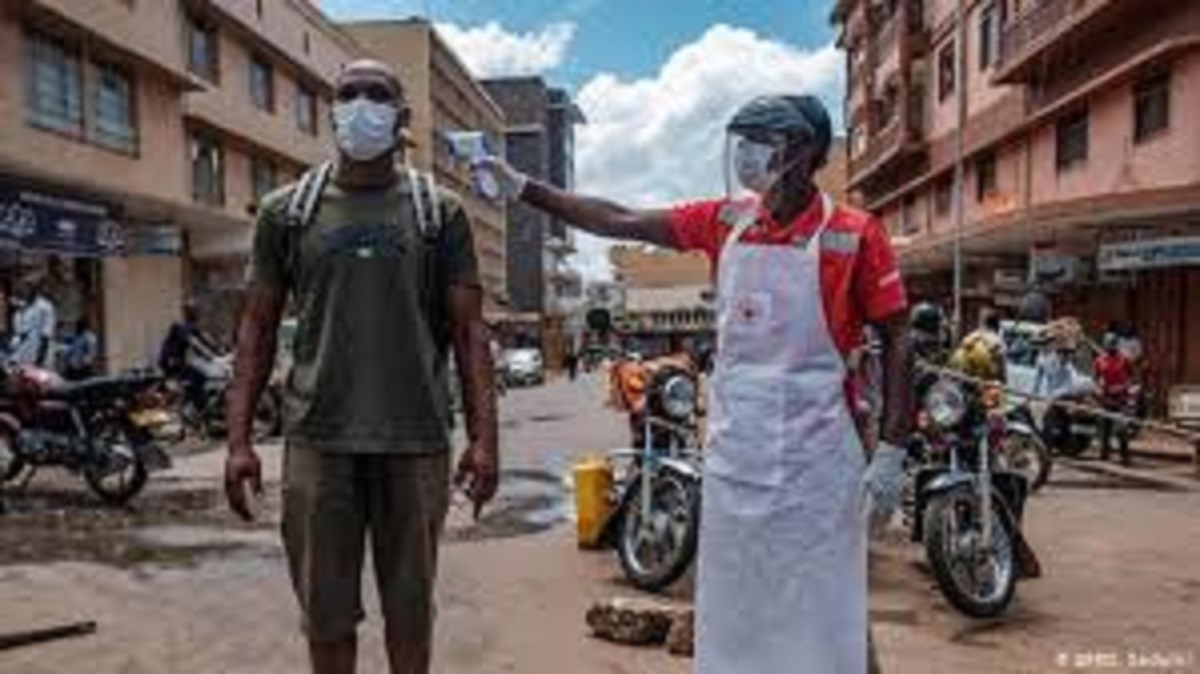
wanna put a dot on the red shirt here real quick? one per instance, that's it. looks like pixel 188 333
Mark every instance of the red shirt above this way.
pixel 1114 372
pixel 860 281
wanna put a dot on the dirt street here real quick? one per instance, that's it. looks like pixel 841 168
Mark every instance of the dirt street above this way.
pixel 176 586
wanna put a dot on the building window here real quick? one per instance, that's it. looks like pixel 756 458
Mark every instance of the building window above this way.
pixel 262 84
pixel 989 37
pixel 258 9
pixel 1072 146
pixel 203 54
pixel 307 43
pixel 264 177
pixel 55 85
pixel 943 198
pixel 114 110
pixel 1151 106
pixel 208 171
pixel 985 176
pixel 306 110
pixel 947 75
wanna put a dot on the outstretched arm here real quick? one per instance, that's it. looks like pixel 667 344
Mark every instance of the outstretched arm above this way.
pixel 593 215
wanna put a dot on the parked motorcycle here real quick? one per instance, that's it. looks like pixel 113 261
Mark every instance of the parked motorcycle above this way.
pixel 101 428
pixel 968 508
pixel 201 404
pixel 655 520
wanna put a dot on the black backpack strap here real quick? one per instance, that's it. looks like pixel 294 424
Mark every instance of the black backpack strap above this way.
pixel 302 207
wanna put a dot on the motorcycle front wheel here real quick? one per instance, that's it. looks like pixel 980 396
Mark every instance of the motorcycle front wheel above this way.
pixel 119 473
pixel 979 580
pixel 656 553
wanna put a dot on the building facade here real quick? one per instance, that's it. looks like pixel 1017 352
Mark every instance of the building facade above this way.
pixel 444 97
pixel 133 136
pixel 1079 147
pixel 539 141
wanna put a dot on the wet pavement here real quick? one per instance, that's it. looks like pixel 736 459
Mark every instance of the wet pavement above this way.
pixel 176 584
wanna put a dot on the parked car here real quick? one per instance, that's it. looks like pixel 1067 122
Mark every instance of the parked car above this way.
pixel 524 367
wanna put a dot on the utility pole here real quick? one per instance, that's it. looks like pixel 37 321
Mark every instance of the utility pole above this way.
pixel 960 76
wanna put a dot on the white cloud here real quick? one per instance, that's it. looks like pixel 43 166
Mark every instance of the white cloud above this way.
pixel 490 50
pixel 660 140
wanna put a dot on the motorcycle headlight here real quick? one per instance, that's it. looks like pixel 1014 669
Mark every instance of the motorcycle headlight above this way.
pixel 679 397
pixel 945 403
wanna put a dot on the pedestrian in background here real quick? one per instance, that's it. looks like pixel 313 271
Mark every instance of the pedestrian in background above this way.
pixel 382 268
pixel 34 324
pixel 1115 377
pixel 83 351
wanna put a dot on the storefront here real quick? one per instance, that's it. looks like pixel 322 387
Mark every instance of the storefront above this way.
pixel 97 263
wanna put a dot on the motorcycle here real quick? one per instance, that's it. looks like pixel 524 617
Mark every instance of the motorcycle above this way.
pixel 201 405
pixel 101 428
pixel 968 508
pixel 655 518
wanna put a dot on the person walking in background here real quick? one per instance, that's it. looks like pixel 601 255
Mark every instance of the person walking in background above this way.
pixel 381 266
pixel 83 352
pixel 34 326
pixel 1115 377
pixel 572 362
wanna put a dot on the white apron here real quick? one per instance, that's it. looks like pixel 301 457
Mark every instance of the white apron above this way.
pixel 782 584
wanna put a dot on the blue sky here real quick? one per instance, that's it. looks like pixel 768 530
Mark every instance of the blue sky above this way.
pixel 619 36
pixel 655 86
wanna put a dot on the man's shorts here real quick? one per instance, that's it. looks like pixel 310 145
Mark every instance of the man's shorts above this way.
pixel 331 503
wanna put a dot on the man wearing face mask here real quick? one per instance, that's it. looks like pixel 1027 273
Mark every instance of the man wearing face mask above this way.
pixel 782 584
pixel 379 265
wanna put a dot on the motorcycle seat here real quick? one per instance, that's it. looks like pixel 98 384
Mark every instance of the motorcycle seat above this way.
pixel 99 386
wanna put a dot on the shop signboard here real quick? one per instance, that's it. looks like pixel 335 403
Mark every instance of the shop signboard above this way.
pixel 45 221
pixel 1177 251
pixel 166 240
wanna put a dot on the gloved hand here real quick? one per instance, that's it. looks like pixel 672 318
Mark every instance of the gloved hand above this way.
pixel 881 486
pixel 511 181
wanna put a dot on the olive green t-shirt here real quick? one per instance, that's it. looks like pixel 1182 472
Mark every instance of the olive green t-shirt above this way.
pixel 368 374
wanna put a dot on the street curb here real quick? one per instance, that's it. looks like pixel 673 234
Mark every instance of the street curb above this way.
pixel 1164 482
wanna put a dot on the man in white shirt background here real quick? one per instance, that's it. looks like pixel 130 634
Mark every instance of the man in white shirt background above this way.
pixel 33 325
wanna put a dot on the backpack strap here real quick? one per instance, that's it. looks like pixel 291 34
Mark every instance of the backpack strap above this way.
pixel 302 207
pixel 427 205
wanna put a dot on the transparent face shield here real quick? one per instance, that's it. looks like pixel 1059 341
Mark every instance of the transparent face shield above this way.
pixel 754 163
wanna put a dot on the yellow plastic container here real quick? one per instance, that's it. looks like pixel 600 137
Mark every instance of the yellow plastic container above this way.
pixel 593 483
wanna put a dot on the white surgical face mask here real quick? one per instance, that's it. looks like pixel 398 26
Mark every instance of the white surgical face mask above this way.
pixel 752 165
pixel 364 129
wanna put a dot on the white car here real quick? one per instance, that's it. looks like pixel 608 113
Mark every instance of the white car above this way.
pixel 524 367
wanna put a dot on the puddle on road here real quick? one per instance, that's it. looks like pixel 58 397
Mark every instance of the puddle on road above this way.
pixel 169 527
pixel 546 418
pixel 528 502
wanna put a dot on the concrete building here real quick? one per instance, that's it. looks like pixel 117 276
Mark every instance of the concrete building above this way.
pixel 543 289
pixel 1080 147
pixel 445 97
pixel 133 135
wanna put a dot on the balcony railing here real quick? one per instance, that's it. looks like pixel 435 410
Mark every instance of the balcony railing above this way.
pixel 1029 34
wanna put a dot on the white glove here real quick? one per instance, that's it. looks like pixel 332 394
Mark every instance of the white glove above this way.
pixel 511 181
pixel 881 486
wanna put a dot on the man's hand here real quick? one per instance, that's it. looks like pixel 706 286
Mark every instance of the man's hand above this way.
pixel 243 471
pixel 479 474
pixel 512 182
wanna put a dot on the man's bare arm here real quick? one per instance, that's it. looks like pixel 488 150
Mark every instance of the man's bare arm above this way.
pixel 469 337
pixel 600 217
pixel 479 468
pixel 254 358
pixel 899 406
